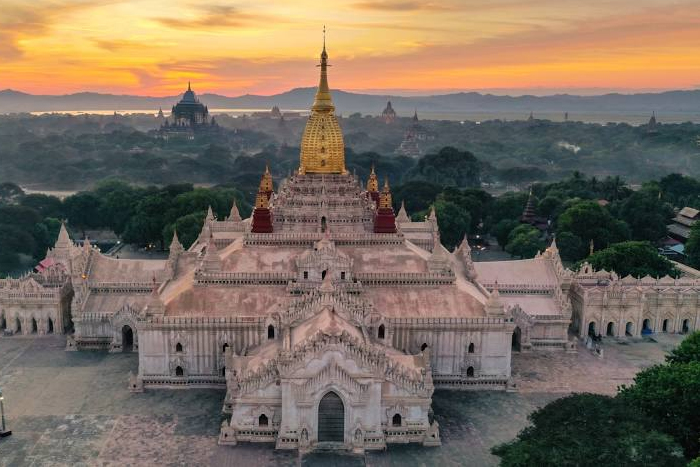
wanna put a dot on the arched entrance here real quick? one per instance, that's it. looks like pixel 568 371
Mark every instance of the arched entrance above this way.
pixel 629 328
pixel 324 224
pixel 3 323
pixel 50 327
pixel 664 326
pixel 331 419
pixel 515 340
pixel 686 326
pixel 127 339
pixel 591 329
pixel 646 326
pixel 610 331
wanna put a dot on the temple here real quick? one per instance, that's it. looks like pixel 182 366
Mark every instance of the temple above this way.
pixel 328 319
pixel 188 117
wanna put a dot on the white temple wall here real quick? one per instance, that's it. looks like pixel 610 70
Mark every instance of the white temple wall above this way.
pixel 449 349
pixel 629 313
pixel 200 354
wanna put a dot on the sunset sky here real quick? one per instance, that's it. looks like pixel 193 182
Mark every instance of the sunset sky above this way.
pixel 153 47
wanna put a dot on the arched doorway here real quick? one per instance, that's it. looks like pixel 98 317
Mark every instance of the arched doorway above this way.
pixel 324 224
pixel 470 371
pixel 19 325
pixel 591 329
pixel 331 419
pixel 127 339
pixel 610 331
pixel 270 332
pixel 471 348
pixel 380 332
pixel 664 326
pixel 646 326
pixel 50 327
pixel 629 328
pixel 396 420
pixel 515 341
pixel 686 326
pixel 3 323
pixel 225 346
pixel 35 328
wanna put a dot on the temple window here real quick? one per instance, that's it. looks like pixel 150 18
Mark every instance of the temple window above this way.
pixel 470 371
pixel 178 347
pixel 471 348
pixel 342 275
pixel 179 371
pixel 423 347
pixel 380 332
pixel 396 420
pixel 225 346
pixel 306 274
pixel 270 332
pixel 262 420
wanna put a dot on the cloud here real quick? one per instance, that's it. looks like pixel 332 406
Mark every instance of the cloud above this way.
pixel 20 20
pixel 400 6
pixel 215 16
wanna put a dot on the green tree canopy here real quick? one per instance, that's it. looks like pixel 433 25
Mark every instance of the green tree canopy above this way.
pixel 588 221
pixel 524 241
pixel 633 258
pixel 449 166
pixel 692 246
pixel 453 221
pixel 502 231
pixel 646 214
pixel 670 395
pixel 590 430
pixel 688 350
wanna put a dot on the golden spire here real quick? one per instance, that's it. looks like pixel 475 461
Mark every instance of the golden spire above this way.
pixel 261 200
pixel 322 101
pixel 322 147
pixel 266 180
pixel 385 196
pixel 372 183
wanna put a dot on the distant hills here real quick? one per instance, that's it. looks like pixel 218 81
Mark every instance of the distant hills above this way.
pixel 678 102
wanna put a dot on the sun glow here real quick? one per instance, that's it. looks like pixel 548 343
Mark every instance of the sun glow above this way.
pixel 151 47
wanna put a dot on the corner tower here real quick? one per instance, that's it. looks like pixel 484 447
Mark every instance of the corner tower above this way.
pixel 322 147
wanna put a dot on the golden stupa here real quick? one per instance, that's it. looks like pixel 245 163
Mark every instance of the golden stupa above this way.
pixel 322 147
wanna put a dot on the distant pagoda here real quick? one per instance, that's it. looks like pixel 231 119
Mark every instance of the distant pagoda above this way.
pixel 389 114
pixel 188 116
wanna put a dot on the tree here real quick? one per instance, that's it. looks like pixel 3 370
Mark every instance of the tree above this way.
pixel 502 231
pixel 670 395
pixel 588 221
pixel 83 210
pixel 453 222
pixel 692 246
pixel 416 195
pixel 188 228
pixel 45 205
pixel 688 350
pixel 590 430
pixel 634 258
pixel 570 246
pixel 646 214
pixel 449 166
pixel 524 241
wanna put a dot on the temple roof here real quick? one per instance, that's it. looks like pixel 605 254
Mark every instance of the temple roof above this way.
pixel 525 271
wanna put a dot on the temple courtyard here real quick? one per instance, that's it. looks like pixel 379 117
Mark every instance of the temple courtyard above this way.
pixel 73 408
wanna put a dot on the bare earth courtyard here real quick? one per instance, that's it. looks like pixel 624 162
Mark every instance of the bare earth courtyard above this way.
pixel 73 408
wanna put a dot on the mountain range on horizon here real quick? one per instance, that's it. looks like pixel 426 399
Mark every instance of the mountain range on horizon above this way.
pixel 678 102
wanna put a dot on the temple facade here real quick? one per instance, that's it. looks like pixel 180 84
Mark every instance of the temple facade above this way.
pixel 328 318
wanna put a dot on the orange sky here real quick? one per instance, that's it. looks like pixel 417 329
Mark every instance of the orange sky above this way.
pixel 153 47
